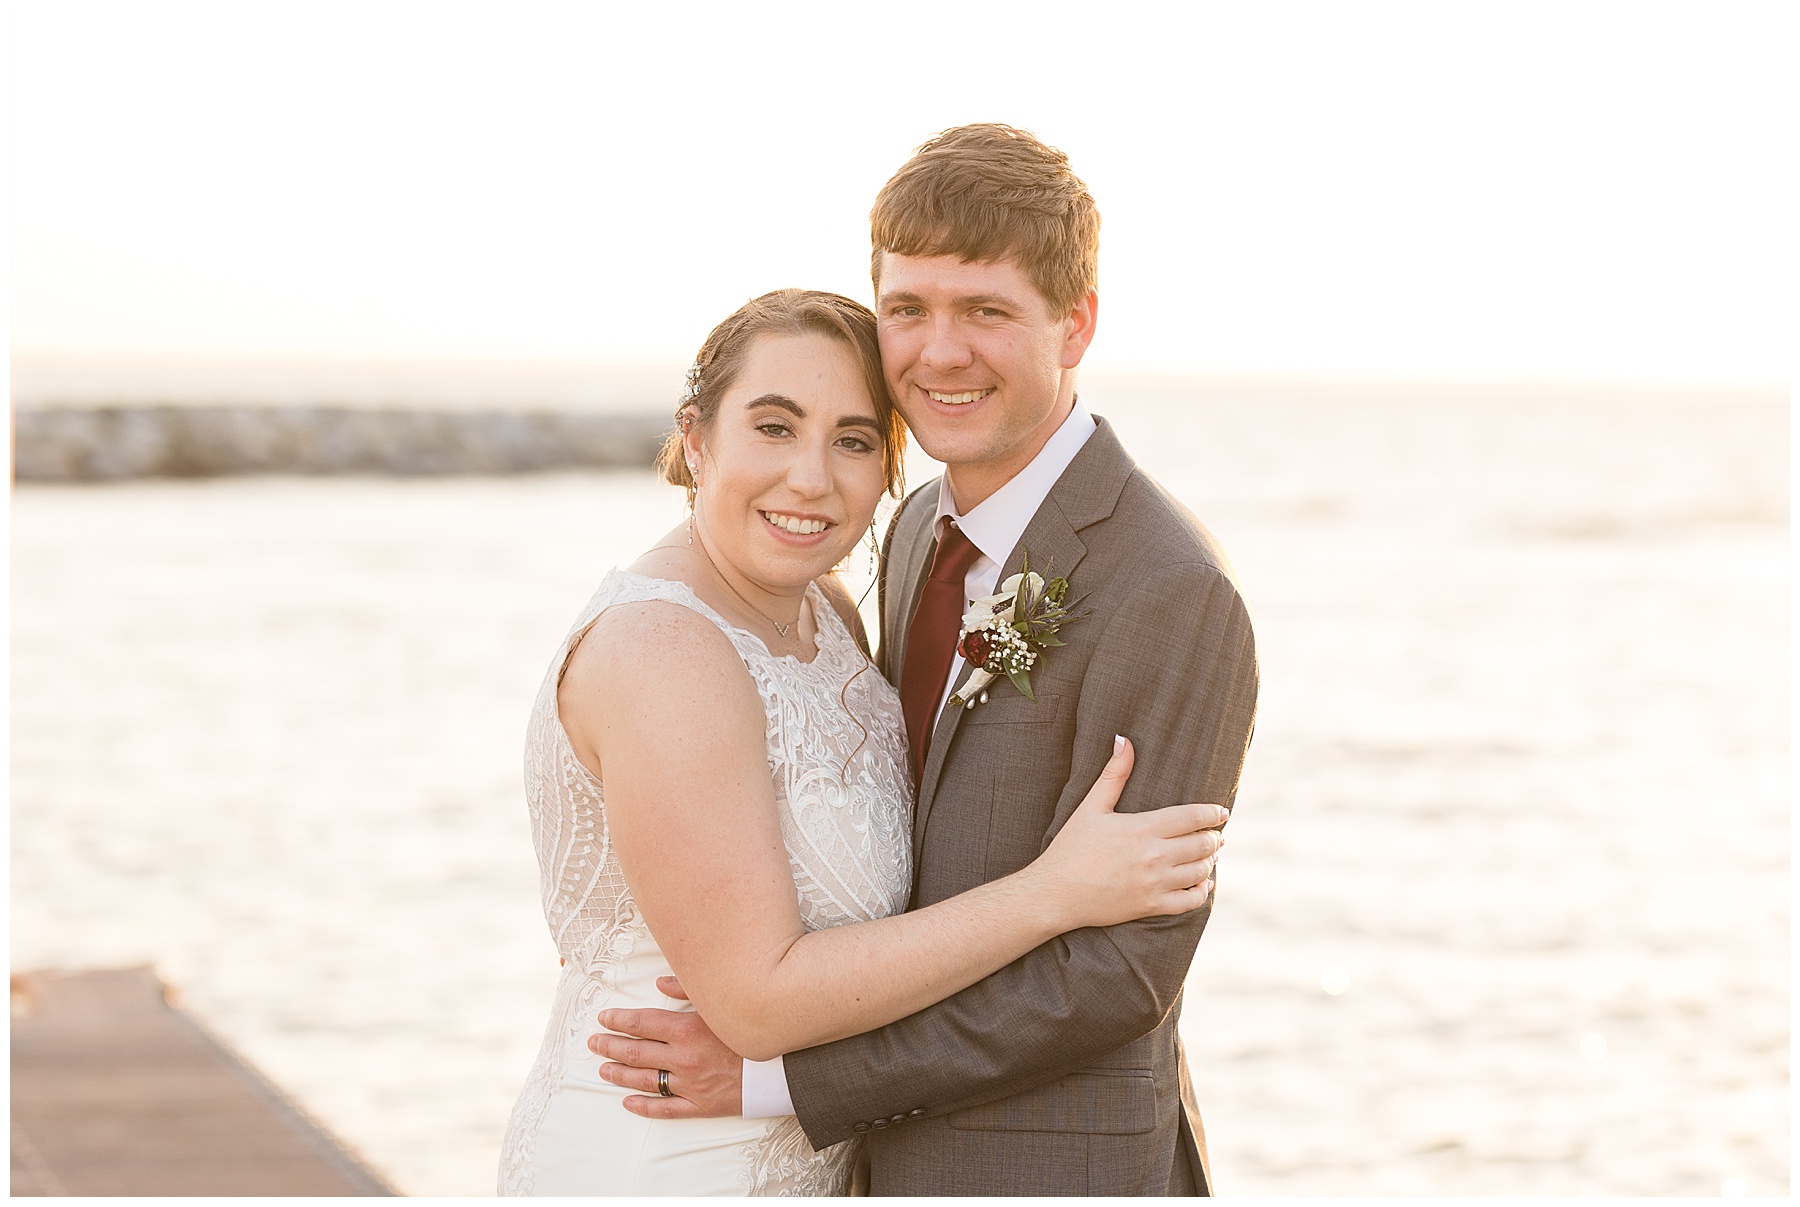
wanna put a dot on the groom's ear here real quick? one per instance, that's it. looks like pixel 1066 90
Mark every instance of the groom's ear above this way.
pixel 1078 329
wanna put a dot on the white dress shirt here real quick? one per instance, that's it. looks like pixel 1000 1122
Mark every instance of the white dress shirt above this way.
pixel 994 526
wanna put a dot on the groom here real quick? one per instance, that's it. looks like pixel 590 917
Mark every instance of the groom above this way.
pixel 1063 1072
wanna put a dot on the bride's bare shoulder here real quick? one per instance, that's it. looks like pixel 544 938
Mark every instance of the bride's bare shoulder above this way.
pixel 651 668
pixel 628 638
pixel 647 643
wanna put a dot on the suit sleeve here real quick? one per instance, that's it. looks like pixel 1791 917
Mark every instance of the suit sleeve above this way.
pixel 1175 671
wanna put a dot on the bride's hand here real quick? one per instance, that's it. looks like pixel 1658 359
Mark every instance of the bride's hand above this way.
pixel 1105 867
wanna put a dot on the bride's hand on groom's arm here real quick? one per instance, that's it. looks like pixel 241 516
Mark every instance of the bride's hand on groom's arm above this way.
pixel 706 1078
pixel 1105 867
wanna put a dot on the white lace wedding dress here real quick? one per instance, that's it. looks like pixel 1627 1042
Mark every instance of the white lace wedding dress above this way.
pixel 837 753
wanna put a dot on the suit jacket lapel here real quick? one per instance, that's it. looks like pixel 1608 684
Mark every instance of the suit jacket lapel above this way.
pixel 941 737
pixel 1084 494
pixel 910 563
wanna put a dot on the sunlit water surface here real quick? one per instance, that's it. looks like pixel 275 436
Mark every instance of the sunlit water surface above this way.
pixel 1504 909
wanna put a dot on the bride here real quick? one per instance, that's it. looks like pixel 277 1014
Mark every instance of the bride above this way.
pixel 718 784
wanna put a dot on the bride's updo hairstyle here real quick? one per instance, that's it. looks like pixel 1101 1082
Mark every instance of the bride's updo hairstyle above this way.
pixel 782 312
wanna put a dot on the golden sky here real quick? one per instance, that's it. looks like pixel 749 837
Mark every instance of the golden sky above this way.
pixel 1565 190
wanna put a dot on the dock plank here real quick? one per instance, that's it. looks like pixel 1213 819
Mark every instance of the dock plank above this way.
pixel 116 1092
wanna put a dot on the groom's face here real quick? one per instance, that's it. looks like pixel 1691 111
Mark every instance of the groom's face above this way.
pixel 978 362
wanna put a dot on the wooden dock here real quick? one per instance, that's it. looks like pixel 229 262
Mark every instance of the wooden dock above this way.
pixel 117 1092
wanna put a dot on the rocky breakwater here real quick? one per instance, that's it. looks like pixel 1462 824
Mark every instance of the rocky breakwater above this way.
pixel 76 443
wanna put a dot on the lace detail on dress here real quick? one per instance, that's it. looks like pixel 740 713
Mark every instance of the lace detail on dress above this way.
pixel 844 801
pixel 593 919
pixel 782 1163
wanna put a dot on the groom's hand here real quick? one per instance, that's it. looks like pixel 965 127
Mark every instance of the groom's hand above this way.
pixel 706 1078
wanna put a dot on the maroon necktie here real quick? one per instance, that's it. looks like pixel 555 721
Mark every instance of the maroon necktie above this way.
pixel 931 641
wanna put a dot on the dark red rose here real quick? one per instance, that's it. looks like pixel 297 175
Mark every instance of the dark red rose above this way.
pixel 975 647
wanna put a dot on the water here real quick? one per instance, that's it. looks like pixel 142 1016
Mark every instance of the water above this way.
pixel 1504 909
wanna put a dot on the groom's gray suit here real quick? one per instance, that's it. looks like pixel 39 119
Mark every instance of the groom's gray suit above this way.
pixel 1062 1073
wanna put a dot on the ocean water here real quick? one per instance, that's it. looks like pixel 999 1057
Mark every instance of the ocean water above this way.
pixel 1505 905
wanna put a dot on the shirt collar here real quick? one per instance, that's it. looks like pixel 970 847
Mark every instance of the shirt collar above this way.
pixel 998 522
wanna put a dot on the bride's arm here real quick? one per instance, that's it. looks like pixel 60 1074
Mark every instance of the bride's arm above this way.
pixel 657 701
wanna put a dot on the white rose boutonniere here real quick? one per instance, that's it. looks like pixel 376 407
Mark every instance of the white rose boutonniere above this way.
pixel 1007 633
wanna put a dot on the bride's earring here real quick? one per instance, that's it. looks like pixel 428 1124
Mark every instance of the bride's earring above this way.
pixel 695 479
pixel 874 565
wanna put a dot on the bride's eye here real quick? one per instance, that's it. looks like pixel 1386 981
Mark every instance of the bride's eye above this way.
pixel 856 444
pixel 772 428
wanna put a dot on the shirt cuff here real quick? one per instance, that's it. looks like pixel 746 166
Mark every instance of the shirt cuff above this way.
pixel 766 1089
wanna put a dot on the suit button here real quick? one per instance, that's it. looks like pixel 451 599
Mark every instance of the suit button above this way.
pixel 898 1119
pixel 878 1123
pixel 861 1127
pixel 917 1111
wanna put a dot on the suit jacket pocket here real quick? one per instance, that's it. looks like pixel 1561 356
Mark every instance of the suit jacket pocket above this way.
pixel 1101 1102
pixel 1008 706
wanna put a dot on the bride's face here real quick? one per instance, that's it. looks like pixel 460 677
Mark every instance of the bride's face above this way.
pixel 790 469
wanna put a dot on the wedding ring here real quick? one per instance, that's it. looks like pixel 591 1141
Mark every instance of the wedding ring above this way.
pixel 662 1083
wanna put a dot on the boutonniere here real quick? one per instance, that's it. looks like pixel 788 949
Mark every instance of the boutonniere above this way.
pixel 1007 633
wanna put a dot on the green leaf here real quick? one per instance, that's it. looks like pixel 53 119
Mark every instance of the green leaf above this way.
pixel 1022 681
pixel 1051 641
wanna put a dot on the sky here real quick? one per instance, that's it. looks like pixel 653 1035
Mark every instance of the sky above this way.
pixel 1571 191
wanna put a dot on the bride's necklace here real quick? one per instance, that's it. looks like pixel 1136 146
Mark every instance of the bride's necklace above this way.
pixel 701 545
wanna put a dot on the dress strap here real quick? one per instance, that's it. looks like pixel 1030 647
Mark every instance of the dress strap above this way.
pixel 624 587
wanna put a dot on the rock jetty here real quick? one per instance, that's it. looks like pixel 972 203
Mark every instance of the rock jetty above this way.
pixel 65 443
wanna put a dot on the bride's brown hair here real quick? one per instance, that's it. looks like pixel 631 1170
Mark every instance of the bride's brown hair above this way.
pixel 782 312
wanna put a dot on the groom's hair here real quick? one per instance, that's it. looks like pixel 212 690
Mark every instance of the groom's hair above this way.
pixel 990 192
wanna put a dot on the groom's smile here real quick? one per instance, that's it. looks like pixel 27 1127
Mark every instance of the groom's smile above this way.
pixel 959 399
